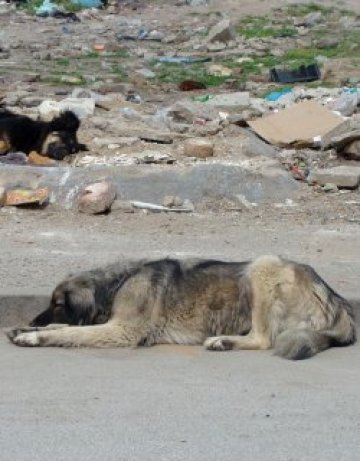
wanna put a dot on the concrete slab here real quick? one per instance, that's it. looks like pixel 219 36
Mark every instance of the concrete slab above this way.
pixel 152 183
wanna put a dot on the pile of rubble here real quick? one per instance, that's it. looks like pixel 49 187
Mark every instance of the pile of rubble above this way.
pixel 312 131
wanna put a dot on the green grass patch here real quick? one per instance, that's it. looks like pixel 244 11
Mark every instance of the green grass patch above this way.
pixel 176 73
pixel 302 9
pixel 262 27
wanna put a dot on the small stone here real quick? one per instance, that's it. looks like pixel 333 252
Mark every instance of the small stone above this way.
pixel 217 46
pixel 327 42
pixel 312 19
pixel 71 79
pixel 172 201
pixel 188 205
pixel 344 177
pixel 150 156
pixel 122 205
pixel 219 71
pixel 352 150
pixel 330 187
pixel 2 196
pixel 147 73
pixel 97 198
pixel 199 148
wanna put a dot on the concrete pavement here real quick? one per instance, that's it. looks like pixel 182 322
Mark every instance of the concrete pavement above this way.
pixel 177 403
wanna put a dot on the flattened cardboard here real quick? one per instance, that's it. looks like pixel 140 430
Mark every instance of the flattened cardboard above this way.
pixel 303 124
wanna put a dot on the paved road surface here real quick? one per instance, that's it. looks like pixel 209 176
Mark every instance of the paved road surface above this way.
pixel 177 403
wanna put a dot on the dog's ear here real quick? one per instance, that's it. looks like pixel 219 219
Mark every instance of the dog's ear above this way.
pixel 80 306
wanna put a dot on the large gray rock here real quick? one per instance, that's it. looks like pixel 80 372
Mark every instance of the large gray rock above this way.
pixel 187 111
pixel 82 107
pixel 222 32
pixel 346 177
pixel 340 142
pixel 235 100
pixel 348 126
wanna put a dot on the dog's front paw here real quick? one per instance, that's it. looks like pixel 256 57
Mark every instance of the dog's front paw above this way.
pixel 26 339
pixel 218 343
pixel 12 332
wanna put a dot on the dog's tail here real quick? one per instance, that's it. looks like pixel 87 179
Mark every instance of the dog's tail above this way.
pixel 337 329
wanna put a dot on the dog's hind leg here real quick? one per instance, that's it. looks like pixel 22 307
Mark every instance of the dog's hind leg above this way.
pixel 102 336
pixel 264 275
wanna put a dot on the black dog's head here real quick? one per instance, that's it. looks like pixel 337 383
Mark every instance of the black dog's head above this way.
pixel 73 302
pixel 64 129
pixel 66 121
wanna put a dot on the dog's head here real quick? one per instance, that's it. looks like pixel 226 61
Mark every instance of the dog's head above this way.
pixel 62 139
pixel 72 302
pixel 66 121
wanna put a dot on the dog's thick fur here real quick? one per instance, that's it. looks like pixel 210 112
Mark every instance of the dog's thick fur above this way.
pixel 56 139
pixel 267 303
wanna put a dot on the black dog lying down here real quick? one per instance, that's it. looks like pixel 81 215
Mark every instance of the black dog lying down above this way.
pixel 56 139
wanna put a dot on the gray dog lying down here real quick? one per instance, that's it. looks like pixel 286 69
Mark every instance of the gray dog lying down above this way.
pixel 267 303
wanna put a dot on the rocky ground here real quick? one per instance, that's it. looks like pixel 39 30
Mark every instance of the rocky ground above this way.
pixel 146 132
pixel 152 141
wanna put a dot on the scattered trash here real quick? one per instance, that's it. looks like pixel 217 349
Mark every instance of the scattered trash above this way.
pixel 346 104
pixel 191 85
pixel 47 8
pixel 183 59
pixel 22 197
pixel 158 208
pixel 276 95
pixel 87 3
pixel 133 97
pixel 51 9
pixel 301 125
pixel 14 158
pixel 302 74
pixel 299 172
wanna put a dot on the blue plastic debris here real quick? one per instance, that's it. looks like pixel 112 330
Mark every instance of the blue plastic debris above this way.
pixel 183 59
pixel 47 8
pixel 87 3
pixel 275 95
